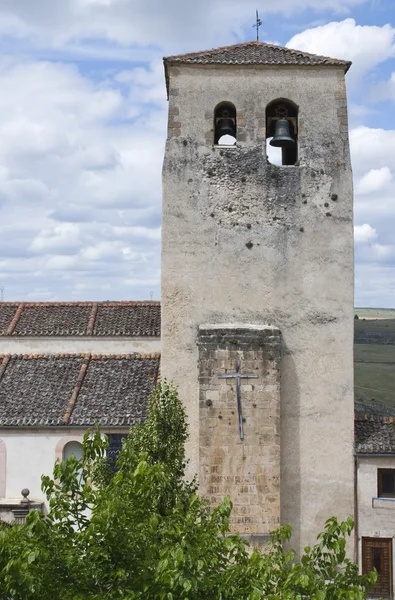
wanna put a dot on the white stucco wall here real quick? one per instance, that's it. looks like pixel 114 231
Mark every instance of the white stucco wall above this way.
pixel 32 453
pixel 376 517
pixel 78 344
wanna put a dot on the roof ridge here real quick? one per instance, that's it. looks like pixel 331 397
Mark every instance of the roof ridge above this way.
pixel 366 416
pixel 77 388
pixel 81 303
pixel 15 319
pixel 94 356
pixel 215 48
pixel 143 355
pixel 253 43
pixel 29 356
pixel 92 317
pixel 5 361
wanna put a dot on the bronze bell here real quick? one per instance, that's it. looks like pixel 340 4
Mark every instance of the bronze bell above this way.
pixel 282 136
pixel 226 127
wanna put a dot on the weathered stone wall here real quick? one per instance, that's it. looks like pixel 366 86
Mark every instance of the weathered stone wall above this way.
pixel 248 469
pixel 246 241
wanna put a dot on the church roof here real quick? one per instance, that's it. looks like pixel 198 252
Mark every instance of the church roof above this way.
pixel 255 53
pixel 374 434
pixel 129 318
pixel 76 389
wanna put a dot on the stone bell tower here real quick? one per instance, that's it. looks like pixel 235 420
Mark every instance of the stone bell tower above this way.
pixel 257 281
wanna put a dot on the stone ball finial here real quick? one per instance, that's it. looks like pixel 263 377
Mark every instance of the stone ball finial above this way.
pixel 25 492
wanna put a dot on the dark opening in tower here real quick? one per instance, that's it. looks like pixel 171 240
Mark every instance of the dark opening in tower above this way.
pixel 282 132
pixel 225 125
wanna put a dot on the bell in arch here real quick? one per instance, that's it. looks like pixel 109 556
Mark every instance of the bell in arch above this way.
pixel 226 127
pixel 282 136
pixel 225 124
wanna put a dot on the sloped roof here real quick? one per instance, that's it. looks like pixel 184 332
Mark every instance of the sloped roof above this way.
pixel 75 389
pixel 374 434
pixel 115 390
pixel 129 318
pixel 254 53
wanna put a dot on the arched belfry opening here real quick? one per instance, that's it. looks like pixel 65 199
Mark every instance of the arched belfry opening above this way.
pixel 225 124
pixel 282 132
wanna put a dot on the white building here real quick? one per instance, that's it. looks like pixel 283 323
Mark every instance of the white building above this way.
pixel 375 498
pixel 65 367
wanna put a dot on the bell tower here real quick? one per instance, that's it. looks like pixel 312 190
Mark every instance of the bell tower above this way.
pixel 257 281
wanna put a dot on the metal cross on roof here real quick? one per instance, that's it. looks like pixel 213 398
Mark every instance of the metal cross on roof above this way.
pixel 238 376
pixel 257 25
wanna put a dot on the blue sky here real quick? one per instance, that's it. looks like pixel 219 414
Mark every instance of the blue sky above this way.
pixel 83 126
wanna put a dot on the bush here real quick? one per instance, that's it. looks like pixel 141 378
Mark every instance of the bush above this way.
pixel 143 533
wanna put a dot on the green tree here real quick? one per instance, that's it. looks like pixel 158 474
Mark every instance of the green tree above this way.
pixel 143 533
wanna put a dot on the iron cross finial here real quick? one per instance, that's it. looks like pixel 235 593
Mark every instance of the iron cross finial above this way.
pixel 257 25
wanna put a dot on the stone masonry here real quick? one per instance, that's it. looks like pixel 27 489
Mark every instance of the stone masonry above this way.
pixel 247 241
pixel 247 470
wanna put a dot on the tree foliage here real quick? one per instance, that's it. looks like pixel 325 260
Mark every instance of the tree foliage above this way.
pixel 144 533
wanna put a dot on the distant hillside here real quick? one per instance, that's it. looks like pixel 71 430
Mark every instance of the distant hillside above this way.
pixel 375 313
pixel 374 356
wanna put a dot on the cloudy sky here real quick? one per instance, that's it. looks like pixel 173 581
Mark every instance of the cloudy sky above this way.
pixel 83 123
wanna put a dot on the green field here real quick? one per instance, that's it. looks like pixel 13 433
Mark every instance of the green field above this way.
pixel 375 313
pixel 374 355
pixel 375 332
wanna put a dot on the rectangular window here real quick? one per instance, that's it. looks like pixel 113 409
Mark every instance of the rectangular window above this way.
pixel 114 447
pixel 386 483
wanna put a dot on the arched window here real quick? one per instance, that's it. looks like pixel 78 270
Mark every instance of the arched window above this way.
pixel 282 132
pixel 73 449
pixel 65 441
pixel 225 125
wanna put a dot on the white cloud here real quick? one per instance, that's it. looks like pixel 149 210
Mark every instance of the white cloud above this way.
pixel 168 24
pixel 374 181
pixel 372 148
pixel 64 238
pixel 364 233
pixel 384 90
pixel 80 179
pixel 366 45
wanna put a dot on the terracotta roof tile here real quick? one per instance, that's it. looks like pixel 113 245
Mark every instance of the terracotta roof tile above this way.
pixel 7 313
pixel 255 53
pixel 129 318
pixel 73 389
pixel 53 319
pixel 374 434
pixel 116 390
pixel 36 391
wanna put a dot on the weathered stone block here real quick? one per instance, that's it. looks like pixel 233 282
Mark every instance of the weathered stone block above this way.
pixel 245 469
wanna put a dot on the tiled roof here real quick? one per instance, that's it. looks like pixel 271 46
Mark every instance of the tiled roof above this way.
pixel 130 318
pixel 37 390
pixel 255 53
pixel 115 391
pixel 7 313
pixel 53 319
pixel 120 319
pixel 374 434
pixel 73 389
